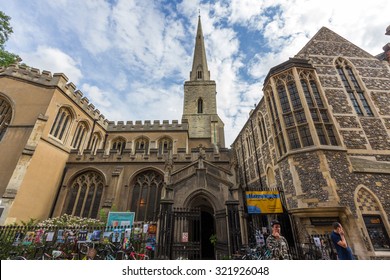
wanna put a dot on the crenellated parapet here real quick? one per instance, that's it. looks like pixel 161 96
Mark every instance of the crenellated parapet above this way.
pixel 58 80
pixel 147 125
pixel 152 156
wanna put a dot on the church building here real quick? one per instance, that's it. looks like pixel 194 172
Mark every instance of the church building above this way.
pixel 319 137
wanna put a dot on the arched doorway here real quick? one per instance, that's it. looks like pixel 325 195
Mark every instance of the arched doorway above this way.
pixel 208 230
pixel 207 225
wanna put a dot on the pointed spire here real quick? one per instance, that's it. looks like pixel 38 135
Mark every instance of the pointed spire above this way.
pixel 200 71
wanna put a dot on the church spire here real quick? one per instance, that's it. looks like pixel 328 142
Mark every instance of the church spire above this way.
pixel 200 71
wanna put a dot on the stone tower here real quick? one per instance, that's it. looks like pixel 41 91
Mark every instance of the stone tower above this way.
pixel 200 104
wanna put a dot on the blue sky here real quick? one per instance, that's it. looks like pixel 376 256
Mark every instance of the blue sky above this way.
pixel 131 57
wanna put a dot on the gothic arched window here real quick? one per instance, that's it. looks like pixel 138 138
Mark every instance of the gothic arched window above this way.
pixel 262 128
pixel 353 88
pixel 95 142
pixel 318 111
pixel 373 218
pixel 146 194
pixel 273 110
pixel 80 134
pixel 164 145
pixel 200 106
pixel 142 145
pixel 85 194
pixel 61 123
pixel 5 116
pixel 118 144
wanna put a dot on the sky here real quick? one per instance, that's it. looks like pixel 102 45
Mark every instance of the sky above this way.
pixel 130 58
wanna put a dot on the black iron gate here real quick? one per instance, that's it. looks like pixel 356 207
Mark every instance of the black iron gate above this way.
pixel 180 233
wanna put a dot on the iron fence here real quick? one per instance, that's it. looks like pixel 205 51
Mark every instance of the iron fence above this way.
pixel 32 241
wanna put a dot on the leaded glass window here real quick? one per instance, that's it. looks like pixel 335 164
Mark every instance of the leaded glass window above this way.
pixel 85 195
pixel 146 193
pixel 61 124
pixel 318 112
pixel 5 116
pixel 80 135
pixel 353 87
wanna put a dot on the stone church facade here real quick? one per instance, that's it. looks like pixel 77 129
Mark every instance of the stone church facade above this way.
pixel 320 136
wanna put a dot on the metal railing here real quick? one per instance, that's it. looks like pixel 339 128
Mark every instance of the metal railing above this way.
pixel 32 241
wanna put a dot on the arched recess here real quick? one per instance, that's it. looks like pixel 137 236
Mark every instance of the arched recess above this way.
pixel 84 193
pixel 206 202
pixel 141 144
pixel 145 194
pixel 374 219
pixel 165 144
pixel 118 144
pixel 6 114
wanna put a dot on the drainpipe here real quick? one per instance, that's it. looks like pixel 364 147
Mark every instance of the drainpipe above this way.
pixel 248 217
pixel 257 158
pixel 105 141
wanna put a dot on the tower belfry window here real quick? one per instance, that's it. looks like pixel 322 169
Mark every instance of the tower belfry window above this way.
pixel 200 106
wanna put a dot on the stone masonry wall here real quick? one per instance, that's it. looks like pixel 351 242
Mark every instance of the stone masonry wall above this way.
pixel 347 182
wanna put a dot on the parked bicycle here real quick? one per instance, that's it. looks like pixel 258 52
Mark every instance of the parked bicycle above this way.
pixel 253 253
pixel 131 254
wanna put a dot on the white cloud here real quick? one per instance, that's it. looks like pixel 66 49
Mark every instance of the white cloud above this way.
pixel 88 20
pixel 54 60
pixel 132 57
pixel 97 96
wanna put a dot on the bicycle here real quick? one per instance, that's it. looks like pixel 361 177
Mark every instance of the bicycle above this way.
pixel 111 251
pixel 253 253
pixel 15 256
pixel 133 255
pixel 56 254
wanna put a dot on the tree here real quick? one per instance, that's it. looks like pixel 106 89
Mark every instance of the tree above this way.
pixel 6 58
pixel 5 28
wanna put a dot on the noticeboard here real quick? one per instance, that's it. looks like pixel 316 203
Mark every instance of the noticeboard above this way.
pixel 120 219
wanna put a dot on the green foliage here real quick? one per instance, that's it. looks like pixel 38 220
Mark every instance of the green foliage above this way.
pixel 5 28
pixel 30 223
pixel 6 58
pixel 103 216
pixel 213 239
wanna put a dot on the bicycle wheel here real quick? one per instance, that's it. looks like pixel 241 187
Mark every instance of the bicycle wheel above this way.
pixel 309 256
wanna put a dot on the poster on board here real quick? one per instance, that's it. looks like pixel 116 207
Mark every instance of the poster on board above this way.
pixel 120 219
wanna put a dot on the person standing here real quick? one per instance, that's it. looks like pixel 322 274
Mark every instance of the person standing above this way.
pixel 344 252
pixel 277 244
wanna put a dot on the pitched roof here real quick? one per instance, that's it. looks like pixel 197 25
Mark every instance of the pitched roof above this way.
pixel 327 42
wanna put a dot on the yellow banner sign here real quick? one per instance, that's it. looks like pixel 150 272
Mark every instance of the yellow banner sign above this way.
pixel 263 202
